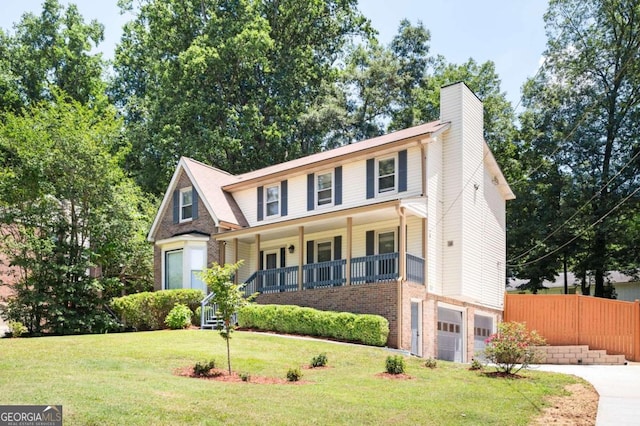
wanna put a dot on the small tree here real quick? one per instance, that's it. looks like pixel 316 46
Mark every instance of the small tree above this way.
pixel 512 348
pixel 228 297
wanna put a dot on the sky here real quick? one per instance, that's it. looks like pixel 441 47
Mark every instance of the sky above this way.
pixel 508 32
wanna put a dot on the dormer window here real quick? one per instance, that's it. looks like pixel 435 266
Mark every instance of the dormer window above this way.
pixel 386 175
pixel 186 204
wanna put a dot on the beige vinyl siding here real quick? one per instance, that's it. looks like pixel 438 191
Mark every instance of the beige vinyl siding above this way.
pixel 354 190
pixel 249 265
pixel 414 236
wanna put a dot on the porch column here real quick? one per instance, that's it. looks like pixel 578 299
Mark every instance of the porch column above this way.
pixel 300 255
pixel 257 252
pixel 402 264
pixel 235 258
pixel 425 252
pixel 349 245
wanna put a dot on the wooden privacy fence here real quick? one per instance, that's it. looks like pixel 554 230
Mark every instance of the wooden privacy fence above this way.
pixel 579 320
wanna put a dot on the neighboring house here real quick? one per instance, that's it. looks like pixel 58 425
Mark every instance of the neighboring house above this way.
pixel 627 287
pixel 409 225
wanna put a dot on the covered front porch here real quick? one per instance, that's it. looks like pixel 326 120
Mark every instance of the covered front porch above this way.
pixel 378 243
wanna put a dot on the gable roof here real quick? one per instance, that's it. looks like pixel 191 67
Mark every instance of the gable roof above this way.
pixel 208 182
pixel 428 129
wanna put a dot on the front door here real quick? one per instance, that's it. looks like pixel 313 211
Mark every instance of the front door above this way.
pixel 323 254
pixel 387 244
pixel 271 262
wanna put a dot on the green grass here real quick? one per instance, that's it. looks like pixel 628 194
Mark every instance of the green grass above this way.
pixel 127 379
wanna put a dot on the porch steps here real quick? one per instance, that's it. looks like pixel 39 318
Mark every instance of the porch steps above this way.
pixel 578 355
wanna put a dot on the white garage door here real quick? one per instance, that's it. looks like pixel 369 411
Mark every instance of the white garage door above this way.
pixel 449 335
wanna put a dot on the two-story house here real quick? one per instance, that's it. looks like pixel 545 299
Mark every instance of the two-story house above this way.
pixel 409 225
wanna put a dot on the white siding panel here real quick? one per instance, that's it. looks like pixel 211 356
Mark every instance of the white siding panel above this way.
pixel 434 213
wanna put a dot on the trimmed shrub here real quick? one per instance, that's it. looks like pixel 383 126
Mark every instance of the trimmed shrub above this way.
pixel 359 328
pixel 202 369
pixel 394 364
pixel 148 310
pixel 294 374
pixel 179 317
pixel 319 361
pixel 431 363
pixel 17 329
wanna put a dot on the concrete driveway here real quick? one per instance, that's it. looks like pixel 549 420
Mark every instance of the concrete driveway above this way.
pixel 618 386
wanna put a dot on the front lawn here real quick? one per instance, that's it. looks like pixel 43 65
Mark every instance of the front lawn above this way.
pixel 128 379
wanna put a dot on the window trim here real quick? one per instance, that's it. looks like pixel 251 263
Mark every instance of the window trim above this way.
pixel 266 201
pixel 317 189
pixel 377 176
pixel 182 205
pixel 167 253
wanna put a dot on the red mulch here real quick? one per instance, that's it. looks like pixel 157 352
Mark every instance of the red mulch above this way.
pixel 402 376
pixel 221 375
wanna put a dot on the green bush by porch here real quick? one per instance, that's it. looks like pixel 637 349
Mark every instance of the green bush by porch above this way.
pixel 148 310
pixel 360 328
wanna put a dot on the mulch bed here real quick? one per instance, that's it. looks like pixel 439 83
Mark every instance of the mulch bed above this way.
pixel 221 375
pixel 390 376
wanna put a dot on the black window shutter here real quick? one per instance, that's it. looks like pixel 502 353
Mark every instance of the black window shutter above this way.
pixel 337 255
pixel 284 189
pixel 310 191
pixel 309 275
pixel 371 187
pixel 261 260
pixel 370 243
pixel 283 260
pixel 260 203
pixel 176 206
pixel 402 171
pixel 194 206
pixel 338 188
pixel 370 247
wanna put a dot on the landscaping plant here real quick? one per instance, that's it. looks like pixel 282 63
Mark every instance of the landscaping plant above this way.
pixel 319 361
pixel 227 296
pixel 179 317
pixel 395 364
pixel 294 374
pixel 202 369
pixel 513 347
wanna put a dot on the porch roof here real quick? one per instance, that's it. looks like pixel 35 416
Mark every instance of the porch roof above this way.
pixel 334 219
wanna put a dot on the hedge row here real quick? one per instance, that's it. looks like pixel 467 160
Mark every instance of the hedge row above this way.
pixel 147 311
pixel 361 328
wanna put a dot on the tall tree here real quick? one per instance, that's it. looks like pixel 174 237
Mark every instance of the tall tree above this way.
pixel 588 95
pixel 52 49
pixel 226 81
pixel 66 207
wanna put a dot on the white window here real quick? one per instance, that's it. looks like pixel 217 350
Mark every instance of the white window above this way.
pixel 324 188
pixel 186 204
pixel 173 273
pixel 272 206
pixel 386 175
